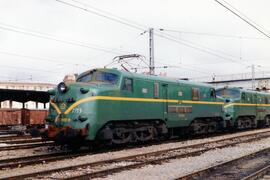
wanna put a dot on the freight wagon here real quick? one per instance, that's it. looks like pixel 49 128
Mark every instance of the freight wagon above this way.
pixel 22 119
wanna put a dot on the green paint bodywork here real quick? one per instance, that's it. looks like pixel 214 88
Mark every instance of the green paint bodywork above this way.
pixel 100 112
pixel 248 103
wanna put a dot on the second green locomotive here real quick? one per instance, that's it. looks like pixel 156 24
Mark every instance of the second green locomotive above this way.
pixel 245 108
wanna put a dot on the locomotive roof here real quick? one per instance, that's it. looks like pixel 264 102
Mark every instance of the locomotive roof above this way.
pixel 151 77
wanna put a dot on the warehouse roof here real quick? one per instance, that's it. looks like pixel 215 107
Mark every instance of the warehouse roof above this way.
pixel 24 95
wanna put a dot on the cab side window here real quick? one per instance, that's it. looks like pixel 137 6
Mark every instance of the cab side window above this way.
pixel 243 96
pixel 213 93
pixel 128 84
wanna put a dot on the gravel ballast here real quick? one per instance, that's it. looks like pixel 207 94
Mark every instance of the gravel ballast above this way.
pixel 122 153
pixel 180 167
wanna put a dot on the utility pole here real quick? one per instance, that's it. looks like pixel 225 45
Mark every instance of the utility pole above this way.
pixel 151 52
pixel 253 66
pixel 253 76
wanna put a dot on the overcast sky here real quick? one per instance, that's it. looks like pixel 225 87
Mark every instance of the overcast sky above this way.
pixel 43 40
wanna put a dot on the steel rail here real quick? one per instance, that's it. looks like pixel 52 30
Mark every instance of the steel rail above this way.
pixel 208 170
pixel 14 137
pixel 37 159
pixel 144 155
pixel 258 174
pixel 19 141
pixel 25 146
pixel 148 162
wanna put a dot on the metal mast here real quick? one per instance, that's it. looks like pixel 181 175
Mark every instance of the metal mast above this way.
pixel 151 52
pixel 253 76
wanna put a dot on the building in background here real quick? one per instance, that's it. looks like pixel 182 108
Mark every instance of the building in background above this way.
pixel 25 86
pixel 260 81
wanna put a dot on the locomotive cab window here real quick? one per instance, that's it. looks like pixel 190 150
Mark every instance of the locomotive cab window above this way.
pixel 228 93
pixel 213 93
pixel 106 77
pixel 243 96
pixel 127 84
pixel 195 94
pixel 98 76
pixel 85 78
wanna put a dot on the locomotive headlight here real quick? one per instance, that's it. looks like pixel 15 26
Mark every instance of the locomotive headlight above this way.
pixel 62 87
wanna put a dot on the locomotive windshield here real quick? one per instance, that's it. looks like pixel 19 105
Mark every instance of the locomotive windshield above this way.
pixel 98 76
pixel 228 93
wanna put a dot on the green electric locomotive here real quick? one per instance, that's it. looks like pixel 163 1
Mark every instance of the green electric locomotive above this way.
pixel 116 107
pixel 244 108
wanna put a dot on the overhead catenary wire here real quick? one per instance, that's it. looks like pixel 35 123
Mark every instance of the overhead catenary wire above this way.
pixel 123 44
pixel 170 37
pixel 27 31
pixel 212 34
pixel 42 58
pixel 108 51
pixel 27 68
pixel 143 25
pixel 113 18
pixel 31 70
pixel 73 42
pixel 247 20
pixel 55 61
pixel 128 23
pixel 70 42
pixel 234 59
pixel 201 49
pixel 166 36
pixel 199 46
pixel 183 42
pixel 112 15
pixel 181 66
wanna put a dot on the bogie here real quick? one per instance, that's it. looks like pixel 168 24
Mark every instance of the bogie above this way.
pixel 132 131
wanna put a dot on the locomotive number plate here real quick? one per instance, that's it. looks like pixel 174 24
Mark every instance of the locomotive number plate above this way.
pixel 77 110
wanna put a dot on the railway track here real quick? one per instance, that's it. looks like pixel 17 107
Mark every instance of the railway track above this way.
pixel 37 159
pixel 25 146
pixel 13 137
pixel 21 140
pixel 113 165
pixel 248 167
pixel 263 173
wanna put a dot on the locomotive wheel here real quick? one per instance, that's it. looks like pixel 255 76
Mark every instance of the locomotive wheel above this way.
pixel 245 123
pixel 267 121
pixel 212 127
pixel 248 123
pixel 198 128
pixel 240 123
pixel 146 135
pixel 121 136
